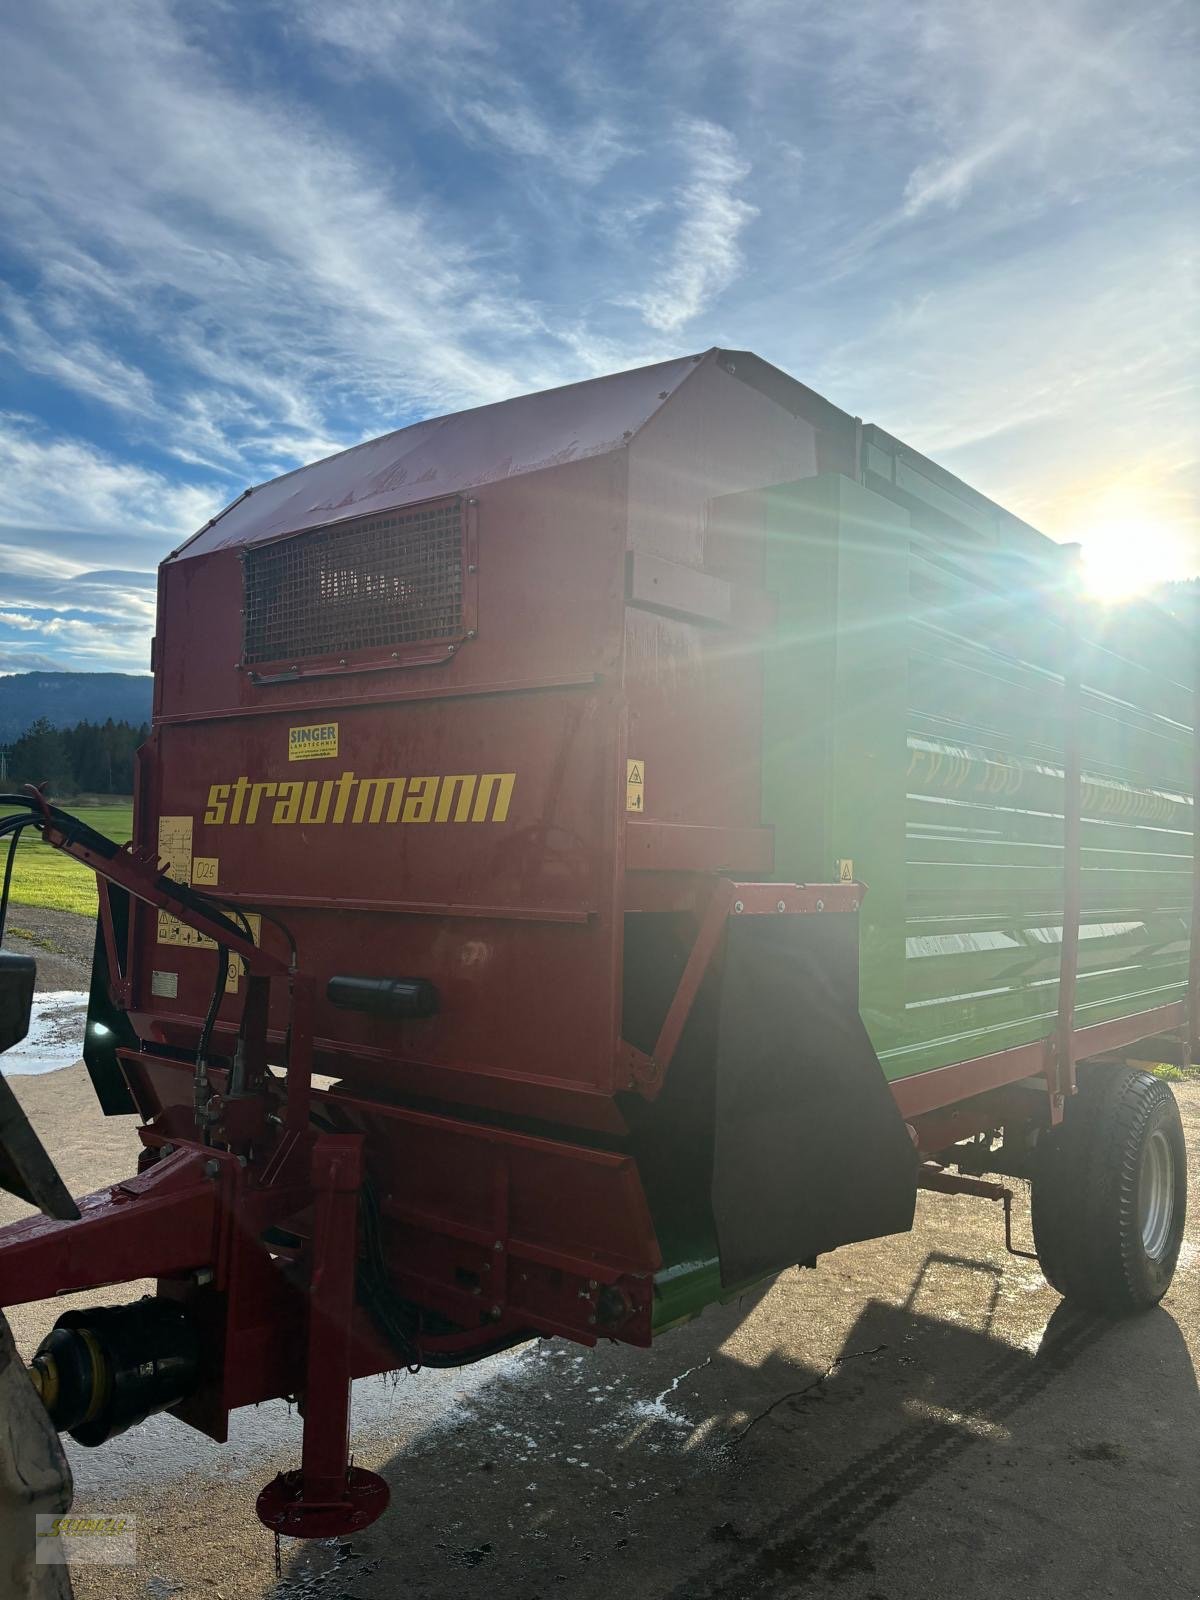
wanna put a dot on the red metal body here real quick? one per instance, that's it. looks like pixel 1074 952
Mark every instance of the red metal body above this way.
pixel 284 1320
pixel 468 805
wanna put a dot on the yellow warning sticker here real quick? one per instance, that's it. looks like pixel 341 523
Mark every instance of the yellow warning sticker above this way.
pixel 205 870
pixel 313 743
pixel 178 933
pixel 845 872
pixel 175 847
pixel 635 786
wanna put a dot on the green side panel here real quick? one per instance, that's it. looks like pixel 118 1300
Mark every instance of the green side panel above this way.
pixel 834 712
pixel 914 723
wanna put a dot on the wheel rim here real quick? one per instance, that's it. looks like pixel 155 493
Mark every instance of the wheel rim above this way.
pixel 1157 1195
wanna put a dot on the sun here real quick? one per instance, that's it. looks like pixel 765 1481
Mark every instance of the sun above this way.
pixel 1127 548
pixel 1121 566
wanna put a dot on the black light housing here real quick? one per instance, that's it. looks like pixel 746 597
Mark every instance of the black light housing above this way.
pixel 384 997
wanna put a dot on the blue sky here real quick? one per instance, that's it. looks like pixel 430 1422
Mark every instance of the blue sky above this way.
pixel 235 237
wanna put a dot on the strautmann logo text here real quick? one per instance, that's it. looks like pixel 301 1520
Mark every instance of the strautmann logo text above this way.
pixel 457 797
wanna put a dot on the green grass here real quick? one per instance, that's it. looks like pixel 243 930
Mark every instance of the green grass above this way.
pixel 46 877
pixel 1171 1074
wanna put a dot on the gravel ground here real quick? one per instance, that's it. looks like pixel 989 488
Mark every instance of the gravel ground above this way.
pixel 60 941
pixel 919 1417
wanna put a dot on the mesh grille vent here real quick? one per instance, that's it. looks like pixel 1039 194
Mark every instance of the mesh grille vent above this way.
pixel 371 585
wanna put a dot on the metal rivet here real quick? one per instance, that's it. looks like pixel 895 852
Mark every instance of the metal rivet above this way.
pixel 449 649
pixel 395 655
pixel 212 1169
pixel 781 905
pixel 820 905
pixel 739 906
pixel 342 662
pixel 472 567
pixel 470 633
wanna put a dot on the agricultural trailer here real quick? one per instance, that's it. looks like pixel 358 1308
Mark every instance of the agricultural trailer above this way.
pixel 594 852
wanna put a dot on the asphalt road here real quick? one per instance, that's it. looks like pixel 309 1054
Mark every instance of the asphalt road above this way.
pixel 918 1417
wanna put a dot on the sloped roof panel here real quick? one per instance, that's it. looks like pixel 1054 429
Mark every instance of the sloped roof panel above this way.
pixel 447 455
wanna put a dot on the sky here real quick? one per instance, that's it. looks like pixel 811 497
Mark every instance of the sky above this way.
pixel 237 237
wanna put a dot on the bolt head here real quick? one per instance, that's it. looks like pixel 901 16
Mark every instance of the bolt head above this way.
pixel 781 905
pixel 820 905
pixel 739 906
pixel 212 1169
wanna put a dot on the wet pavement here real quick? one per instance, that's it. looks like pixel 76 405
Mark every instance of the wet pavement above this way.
pixel 55 1035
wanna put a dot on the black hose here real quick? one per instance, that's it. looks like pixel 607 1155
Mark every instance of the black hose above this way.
pixel 8 871
pixel 200 1084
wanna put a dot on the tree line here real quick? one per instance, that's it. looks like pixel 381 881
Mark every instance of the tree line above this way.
pixel 90 758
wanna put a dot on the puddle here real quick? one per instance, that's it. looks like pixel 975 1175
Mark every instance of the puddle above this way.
pixel 55 1037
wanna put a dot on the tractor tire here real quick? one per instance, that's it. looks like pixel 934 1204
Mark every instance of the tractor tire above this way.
pixel 1109 1196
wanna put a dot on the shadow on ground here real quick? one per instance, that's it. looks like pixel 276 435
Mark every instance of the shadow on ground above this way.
pixel 930 1454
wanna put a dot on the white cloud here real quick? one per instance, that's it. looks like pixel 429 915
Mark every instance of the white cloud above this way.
pixel 231 238
pixel 703 257
pixel 61 483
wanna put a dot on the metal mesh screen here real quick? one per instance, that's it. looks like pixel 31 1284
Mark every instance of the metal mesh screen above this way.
pixel 370 585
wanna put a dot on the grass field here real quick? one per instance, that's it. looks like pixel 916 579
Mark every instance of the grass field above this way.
pixel 45 877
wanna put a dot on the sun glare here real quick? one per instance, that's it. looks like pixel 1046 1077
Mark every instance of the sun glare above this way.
pixel 1126 550
pixel 1119 568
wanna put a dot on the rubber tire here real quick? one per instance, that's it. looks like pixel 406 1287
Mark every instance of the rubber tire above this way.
pixel 1085 1191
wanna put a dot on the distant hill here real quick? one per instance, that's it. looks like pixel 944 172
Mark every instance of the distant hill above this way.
pixel 67 698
